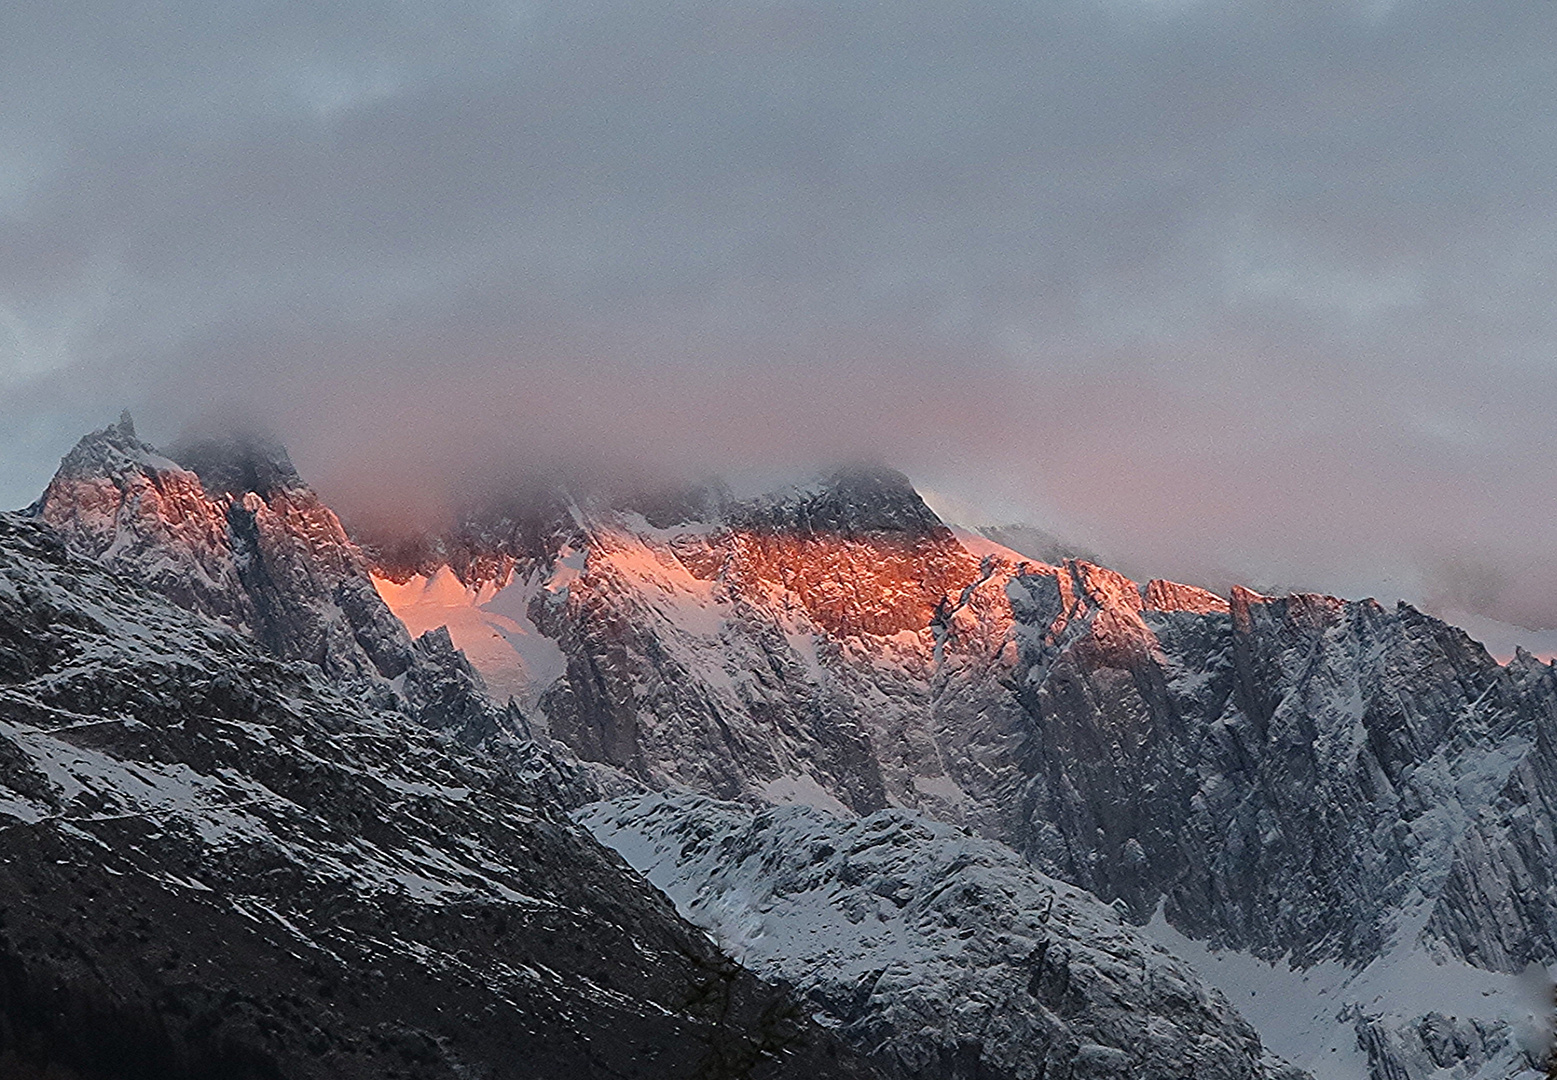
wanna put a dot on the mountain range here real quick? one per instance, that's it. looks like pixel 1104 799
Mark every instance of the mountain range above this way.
pixel 916 804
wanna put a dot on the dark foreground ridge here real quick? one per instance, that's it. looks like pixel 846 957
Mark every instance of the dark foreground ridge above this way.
pixel 215 865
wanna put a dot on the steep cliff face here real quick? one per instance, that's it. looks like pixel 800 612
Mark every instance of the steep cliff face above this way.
pixel 1503 862
pixel 1301 779
pixel 115 498
pixel 763 654
pixel 235 534
pixel 247 543
pixel 215 865
pixel 1285 774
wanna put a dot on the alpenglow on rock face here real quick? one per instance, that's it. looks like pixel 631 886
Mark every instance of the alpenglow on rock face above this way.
pixel 1353 802
pixel 941 954
pixel 214 866
pixel 257 550
pixel 1298 778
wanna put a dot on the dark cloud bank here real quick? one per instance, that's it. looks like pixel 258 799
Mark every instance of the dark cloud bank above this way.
pixel 1247 291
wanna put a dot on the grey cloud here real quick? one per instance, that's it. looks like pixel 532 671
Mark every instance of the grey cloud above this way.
pixel 1240 290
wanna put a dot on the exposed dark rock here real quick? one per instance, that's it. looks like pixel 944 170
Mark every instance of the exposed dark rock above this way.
pixel 1288 776
pixel 851 503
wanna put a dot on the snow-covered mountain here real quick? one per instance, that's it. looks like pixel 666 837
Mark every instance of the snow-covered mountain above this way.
pixel 218 866
pixel 1301 780
pixel 1318 802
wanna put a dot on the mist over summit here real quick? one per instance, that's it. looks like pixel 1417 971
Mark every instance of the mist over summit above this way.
pixel 1327 792
pixel 1240 292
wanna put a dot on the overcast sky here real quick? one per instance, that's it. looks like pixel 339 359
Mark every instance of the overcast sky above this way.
pixel 1236 291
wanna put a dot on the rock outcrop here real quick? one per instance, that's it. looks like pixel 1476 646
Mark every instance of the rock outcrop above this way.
pixel 1300 778
pixel 1304 780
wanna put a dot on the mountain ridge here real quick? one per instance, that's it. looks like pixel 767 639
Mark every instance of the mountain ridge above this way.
pixel 1302 779
pixel 1292 776
pixel 238 536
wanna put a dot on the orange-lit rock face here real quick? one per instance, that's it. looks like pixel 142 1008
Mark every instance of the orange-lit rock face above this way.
pixel 156 523
pixel 1117 636
pixel 273 561
pixel 1171 596
pixel 169 505
pixel 92 509
pixel 1108 589
pixel 878 585
pixel 299 520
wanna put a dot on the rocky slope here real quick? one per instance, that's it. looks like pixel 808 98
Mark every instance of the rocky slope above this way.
pixel 214 864
pixel 1300 779
pixel 945 955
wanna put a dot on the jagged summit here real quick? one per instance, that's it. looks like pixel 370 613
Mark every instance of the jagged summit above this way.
pixel 217 867
pixel 239 537
pixel 850 502
pixel 1278 775
pixel 1300 778
pixel 233 463
pixel 112 452
pixel 532 521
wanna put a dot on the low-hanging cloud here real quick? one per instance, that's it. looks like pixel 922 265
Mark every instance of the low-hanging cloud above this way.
pixel 1232 291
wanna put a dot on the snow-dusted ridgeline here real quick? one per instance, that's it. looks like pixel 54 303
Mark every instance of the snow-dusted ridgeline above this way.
pixel 1303 779
pixel 1299 779
pixel 235 533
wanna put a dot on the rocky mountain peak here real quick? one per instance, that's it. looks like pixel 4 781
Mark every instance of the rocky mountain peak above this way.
pixel 111 453
pixel 239 537
pixel 1290 777
pixel 217 866
pixel 1171 596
